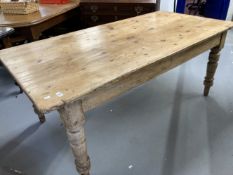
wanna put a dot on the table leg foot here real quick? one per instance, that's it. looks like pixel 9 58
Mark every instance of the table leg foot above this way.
pixel 211 69
pixel 20 89
pixel 73 118
pixel 41 116
pixel 206 91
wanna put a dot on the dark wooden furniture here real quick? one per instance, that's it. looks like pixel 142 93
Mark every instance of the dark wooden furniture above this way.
pixel 5 32
pixel 96 12
pixel 4 36
pixel 29 27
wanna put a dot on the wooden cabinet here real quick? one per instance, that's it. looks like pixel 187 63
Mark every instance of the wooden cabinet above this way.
pixel 4 39
pixel 96 12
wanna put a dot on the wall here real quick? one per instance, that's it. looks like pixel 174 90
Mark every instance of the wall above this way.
pixel 167 5
pixel 230 11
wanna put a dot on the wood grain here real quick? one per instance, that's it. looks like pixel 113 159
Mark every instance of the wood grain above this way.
pixel 46 12
pixel 136 78
pixel 70 67
pixel 74 119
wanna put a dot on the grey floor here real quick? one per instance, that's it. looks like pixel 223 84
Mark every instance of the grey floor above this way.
pixel 165 127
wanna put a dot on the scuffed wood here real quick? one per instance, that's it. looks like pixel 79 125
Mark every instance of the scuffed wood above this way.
pixel 74 120
pixel 78 71
pixel 41 116
pixel 68 68
pixel 135 79
pixel 213 64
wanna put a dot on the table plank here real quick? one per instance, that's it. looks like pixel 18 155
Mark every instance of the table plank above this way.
pixel 46 12
pixel 69 67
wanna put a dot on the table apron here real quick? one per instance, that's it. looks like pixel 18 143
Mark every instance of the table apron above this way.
pixel 134 79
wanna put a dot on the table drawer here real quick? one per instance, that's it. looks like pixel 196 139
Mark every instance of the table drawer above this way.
pixel 93 20
pixel 94 8
pixel 136 9
pixel 104 11
pixel 116 9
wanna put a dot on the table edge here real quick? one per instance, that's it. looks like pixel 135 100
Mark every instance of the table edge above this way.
pixel 35 22
pixel 71 100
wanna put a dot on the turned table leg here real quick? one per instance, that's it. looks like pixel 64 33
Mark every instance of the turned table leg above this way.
pixel 73 118
pixel 41 116
pixel 211 69
pixel 213 64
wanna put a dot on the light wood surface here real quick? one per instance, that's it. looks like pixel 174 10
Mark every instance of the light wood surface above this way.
pixel 138 77
pixel 71 67
pixel 46 12
pixel 78 71
pixel 74 120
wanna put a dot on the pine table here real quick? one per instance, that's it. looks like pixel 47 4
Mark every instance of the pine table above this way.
pixel 76 72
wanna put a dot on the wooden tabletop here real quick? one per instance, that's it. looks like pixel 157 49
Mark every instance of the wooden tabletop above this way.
pixel 68 67
pixel 46 11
